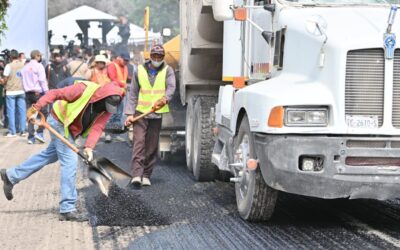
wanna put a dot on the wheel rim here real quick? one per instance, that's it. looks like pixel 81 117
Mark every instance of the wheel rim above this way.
pixel 242 154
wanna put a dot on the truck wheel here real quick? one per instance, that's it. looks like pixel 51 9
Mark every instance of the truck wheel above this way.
pixel 255 200
pixel 203 140
pixel 189 132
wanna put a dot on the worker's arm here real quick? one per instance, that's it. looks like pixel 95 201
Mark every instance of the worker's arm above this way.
pixel 69 94
pixel 96 130
pixel 171 84
pixel 112 72
pixel 133 95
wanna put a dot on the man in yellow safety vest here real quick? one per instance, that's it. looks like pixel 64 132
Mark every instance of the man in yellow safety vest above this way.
pixel 81 109
pixel 153 85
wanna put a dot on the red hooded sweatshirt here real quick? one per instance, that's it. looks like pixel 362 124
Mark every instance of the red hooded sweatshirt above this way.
pixel 71 94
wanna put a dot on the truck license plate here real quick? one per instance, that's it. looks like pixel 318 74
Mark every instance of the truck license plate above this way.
pixel 361 121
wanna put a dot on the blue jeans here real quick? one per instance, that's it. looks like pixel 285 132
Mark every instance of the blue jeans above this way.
pixel 117 118
pixel 16 104
pixel 56 150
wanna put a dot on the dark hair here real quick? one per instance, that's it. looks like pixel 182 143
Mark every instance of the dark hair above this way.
pixel 14 54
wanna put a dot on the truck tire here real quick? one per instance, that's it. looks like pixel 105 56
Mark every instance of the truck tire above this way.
pixel 203 140
pixel 189 132
pixel 255 200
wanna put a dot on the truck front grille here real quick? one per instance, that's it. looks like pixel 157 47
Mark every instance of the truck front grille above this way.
pixel 396 90
pixel 364 94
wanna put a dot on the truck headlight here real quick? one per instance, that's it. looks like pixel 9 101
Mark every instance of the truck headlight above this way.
pixel 317 117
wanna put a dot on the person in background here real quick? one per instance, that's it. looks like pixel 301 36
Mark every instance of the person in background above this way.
pixel 22 57
pixel 15 96
pixel 99 73
pixel 78 67
pixel 118 72
pixel 35 85
pixel 2 94
pixel 56 70
pixel 153 86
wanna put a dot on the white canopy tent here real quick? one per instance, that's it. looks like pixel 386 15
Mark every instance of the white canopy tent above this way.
pixel 66 25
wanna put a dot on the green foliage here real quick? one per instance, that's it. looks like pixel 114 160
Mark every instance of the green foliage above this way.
pixel 4 4
pixel 163 14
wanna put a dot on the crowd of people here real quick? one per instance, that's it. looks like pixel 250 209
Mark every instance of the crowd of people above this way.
pixel 17 90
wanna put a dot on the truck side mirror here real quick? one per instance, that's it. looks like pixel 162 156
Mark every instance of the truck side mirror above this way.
pixel 270 7
pixel 267 35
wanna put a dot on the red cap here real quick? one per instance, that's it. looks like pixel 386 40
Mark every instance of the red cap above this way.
pixel 157 49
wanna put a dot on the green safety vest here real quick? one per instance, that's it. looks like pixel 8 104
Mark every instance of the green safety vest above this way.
pixel 148 95
pixel 67 112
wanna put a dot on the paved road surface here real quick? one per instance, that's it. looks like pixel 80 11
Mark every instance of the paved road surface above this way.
pixel 178 213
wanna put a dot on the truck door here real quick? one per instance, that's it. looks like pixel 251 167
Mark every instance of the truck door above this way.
pixel 257 63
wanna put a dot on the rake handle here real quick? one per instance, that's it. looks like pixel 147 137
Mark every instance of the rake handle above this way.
pixel 135 119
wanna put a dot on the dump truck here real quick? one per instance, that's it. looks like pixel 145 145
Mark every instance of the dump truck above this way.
pixel 300 97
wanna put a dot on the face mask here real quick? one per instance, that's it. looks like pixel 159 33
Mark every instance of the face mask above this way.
pixel 156 64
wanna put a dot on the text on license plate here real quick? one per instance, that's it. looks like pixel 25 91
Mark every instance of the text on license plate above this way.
pixel 361 121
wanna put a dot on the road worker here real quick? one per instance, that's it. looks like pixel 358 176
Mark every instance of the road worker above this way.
pixel 99 73
pixel 82 109
pixel 153 86
pixel 118 72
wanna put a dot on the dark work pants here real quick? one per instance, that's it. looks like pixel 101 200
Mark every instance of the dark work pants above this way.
pixel 146 134
pixel 32 98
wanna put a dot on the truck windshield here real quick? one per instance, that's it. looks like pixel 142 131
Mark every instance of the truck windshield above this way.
pixel 343 2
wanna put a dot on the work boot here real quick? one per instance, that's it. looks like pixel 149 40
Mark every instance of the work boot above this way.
pixel 7 185
pixel 146 181
pixel 74 216
pixel 135 183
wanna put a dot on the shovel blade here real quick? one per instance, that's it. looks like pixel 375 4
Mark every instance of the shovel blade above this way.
pixel 119 176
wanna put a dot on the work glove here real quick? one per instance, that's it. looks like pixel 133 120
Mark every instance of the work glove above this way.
pixel 32 113
pixel 88 152
pixel 160 103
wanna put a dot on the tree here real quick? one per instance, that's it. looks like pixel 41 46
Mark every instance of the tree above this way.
pixel 4 4
pixel 163 14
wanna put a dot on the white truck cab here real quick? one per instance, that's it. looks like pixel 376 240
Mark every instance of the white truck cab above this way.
pixel 320 112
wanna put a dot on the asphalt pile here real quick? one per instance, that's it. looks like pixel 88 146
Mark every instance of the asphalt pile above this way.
pixel 121 208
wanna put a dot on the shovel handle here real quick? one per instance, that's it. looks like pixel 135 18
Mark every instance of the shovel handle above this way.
pixel 135 119
pixel 42 122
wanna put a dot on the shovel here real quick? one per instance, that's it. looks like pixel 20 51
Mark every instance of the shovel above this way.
pixel 102 172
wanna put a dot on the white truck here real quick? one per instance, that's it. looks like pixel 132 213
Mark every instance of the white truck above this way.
pixel 319 114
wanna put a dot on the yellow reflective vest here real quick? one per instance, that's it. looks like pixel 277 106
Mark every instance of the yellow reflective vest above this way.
pixel 67 112
pixel 148 94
